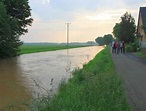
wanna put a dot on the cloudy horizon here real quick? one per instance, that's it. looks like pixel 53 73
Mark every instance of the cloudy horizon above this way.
pixel 88 19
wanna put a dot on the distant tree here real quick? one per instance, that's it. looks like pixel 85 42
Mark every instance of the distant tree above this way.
pixel 116 30
pixel 91 42
pixel 125 30
pixel 14 19
pixel 100 41
pixel 108 39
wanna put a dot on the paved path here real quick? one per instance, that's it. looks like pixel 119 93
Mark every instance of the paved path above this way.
pixel 133 71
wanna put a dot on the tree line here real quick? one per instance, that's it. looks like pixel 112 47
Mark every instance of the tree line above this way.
pixel 105 40
pixel 15 16
pixel 125 31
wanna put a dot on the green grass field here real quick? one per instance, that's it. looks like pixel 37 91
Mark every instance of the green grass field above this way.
pixel 95 87
pixel 25 49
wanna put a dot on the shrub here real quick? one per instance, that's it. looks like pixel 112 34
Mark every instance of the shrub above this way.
pixel 133 47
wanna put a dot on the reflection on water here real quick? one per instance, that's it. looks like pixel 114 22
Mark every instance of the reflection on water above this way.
pixel 20 76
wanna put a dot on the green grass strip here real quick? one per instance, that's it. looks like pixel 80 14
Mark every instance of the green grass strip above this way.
pixel 140 54
pixel 26 49
pixel 95 87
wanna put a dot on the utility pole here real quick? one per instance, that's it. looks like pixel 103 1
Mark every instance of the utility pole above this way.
pixel 67 33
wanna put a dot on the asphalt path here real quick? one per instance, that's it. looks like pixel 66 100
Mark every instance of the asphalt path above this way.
pixel 132 69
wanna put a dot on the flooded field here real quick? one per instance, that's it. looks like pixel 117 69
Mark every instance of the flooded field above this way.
pixel 29 74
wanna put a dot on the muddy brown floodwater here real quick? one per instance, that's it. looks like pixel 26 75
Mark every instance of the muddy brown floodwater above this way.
pixel 29 74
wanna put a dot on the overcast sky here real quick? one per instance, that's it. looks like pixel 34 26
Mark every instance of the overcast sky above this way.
pixel 88 18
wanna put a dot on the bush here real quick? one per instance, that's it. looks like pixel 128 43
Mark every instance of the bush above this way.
pixel 133 47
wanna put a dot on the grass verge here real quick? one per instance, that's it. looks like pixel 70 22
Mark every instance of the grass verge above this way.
pixel 25 49
pixel 140 54
pixel 95 87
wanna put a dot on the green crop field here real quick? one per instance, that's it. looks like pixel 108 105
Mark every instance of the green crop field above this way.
pixel 25 49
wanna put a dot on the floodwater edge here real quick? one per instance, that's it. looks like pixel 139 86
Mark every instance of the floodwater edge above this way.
pixel 96 87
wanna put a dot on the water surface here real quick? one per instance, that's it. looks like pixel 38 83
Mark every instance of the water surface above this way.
pixel 29 74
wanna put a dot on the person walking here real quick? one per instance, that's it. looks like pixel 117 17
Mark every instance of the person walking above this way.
pixel 123 46
pixel 113 47
pixel 117 47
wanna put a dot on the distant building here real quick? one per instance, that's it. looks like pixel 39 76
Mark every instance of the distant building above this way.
pixel 141 27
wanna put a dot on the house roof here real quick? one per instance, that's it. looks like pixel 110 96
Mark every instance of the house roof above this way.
pixel 143 16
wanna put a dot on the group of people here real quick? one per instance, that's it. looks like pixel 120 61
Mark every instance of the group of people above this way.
pixel 118 47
